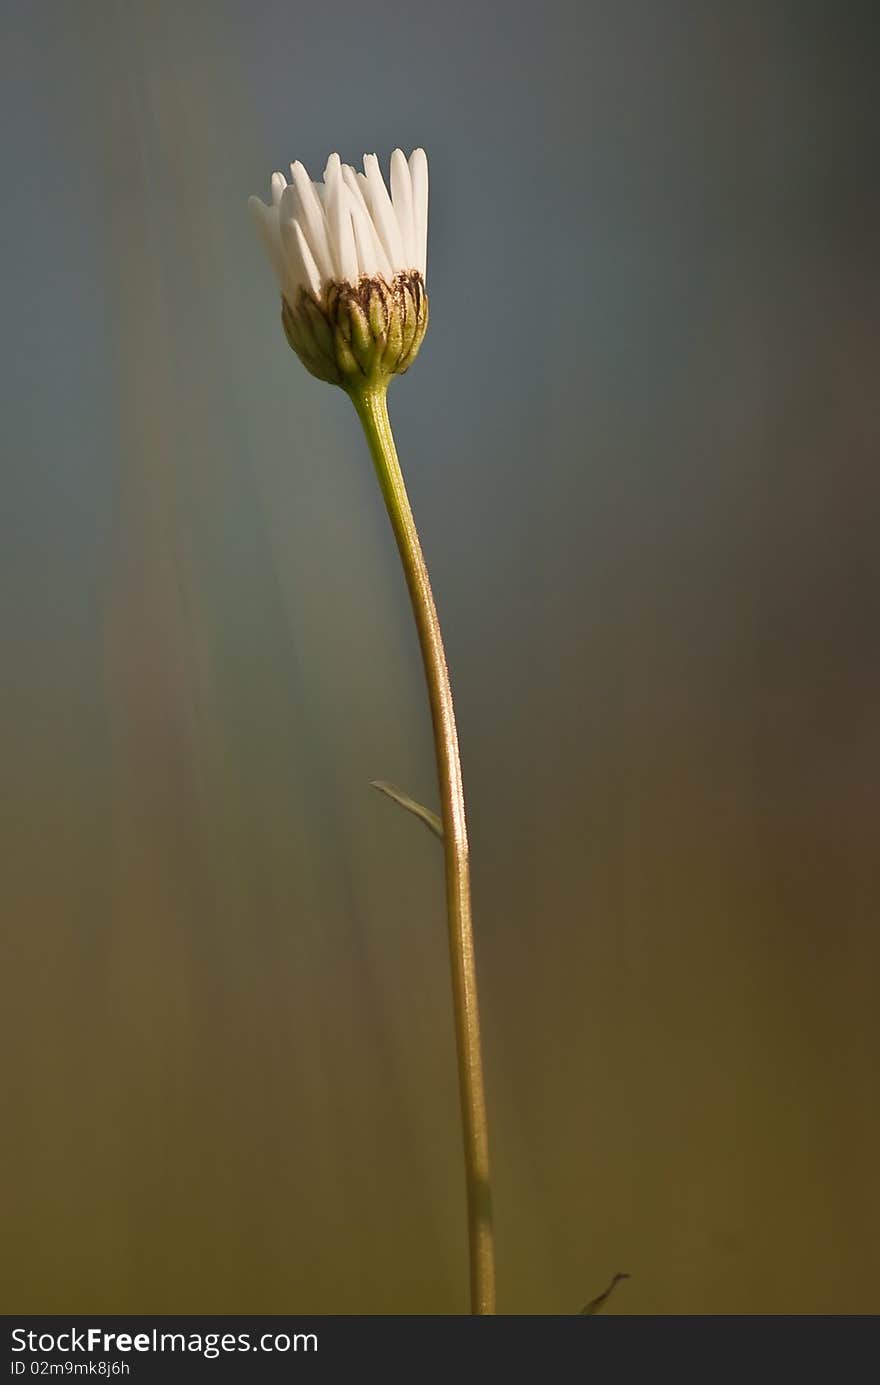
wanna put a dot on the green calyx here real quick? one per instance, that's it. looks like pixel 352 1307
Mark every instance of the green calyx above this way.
pixel 358 337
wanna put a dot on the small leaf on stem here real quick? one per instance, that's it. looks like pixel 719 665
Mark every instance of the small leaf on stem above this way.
pixel 431 820
pixel 595 1304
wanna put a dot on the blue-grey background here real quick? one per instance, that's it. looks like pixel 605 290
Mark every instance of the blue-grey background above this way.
pixel 642 444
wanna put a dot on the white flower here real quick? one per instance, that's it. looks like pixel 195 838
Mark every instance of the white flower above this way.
pixel 346 227
pixel 351 262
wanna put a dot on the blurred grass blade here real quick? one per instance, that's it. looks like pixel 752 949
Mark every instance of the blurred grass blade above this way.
pixel 595 1304
pixel 431 820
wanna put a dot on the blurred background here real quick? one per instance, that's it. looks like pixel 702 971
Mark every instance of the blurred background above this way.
pixel 642 445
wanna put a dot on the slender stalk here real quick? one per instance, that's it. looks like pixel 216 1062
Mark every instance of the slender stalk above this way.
pixel 373 412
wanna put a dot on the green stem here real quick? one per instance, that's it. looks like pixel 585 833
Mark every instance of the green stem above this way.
pixel 373 412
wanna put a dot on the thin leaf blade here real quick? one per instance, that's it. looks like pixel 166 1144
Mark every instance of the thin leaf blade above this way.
pixel 431 820
pixel 595 1305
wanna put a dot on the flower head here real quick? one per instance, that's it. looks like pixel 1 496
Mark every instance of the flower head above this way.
pixel 351 261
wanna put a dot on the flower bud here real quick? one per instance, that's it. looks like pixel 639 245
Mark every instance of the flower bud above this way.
pixel 351 262
pixel 359 336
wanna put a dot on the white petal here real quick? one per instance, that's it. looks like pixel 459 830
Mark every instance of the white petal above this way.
pixel 371 253
pixel 306 207
pixel 279 183
pixel 401 196
pixel 418 167
pixel 296 271
pixel 304 271
pixel 266 219
pixel 372 259
pixel 382 211
pixel 350 178
pixel 339 223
